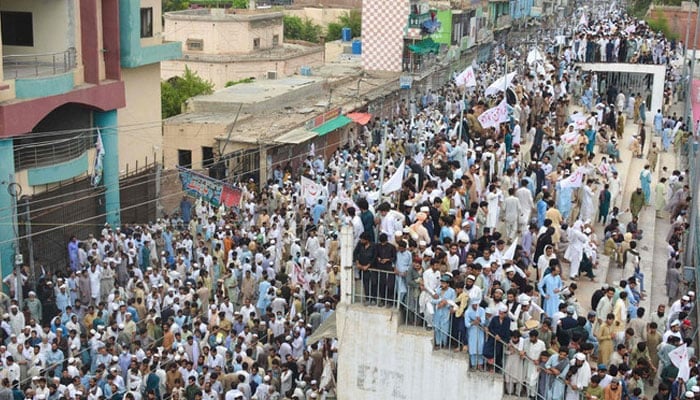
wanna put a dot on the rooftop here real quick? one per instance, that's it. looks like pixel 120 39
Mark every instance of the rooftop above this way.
pixel 286 104
pixel 221 14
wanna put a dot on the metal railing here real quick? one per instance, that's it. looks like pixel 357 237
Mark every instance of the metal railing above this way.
pixel 29 154
pixel 483 350
pixel 35 65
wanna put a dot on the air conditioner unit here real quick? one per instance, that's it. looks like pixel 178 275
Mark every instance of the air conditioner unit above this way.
pixel 271 74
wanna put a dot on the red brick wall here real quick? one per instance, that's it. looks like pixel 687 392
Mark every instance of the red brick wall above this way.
pixel 678 20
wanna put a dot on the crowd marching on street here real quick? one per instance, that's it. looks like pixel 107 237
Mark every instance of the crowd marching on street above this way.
pixel 502 191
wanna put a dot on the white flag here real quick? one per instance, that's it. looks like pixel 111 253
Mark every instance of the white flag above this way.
pixel 310 191
pixel 394 183
pixel 99 155
pixel 574 180
pixel 679 358
pixel 466 78
pixel 510 253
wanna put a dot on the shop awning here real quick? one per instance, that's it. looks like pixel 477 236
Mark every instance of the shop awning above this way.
pixel 330 126
pixel 296 136
pixel 424 47
pixel 360 118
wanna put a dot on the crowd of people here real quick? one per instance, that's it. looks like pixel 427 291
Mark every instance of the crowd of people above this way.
pixel 483 241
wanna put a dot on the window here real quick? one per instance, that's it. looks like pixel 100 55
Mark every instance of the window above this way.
pixel 195 44
pixel 207 156
pixel 256 43
pixel 147 22
pixel 17 28
pixel 184 158
pixel 275 40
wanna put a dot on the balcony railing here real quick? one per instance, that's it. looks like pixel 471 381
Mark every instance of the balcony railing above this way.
pixel 37 65
pixel 43 151
pixel 382 288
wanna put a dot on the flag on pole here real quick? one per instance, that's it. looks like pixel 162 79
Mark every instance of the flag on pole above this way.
pixel 99 155
pixel 466 78
pixel 679 358
pixel 394 183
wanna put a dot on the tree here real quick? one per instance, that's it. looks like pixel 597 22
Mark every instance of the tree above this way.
pixel 175 91
pixel 352 20
pixel 175 5
pixel 239 4
pixel 297 29
pixel 334 31
pixel 660 23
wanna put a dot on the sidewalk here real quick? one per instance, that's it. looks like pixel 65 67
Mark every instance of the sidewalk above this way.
pixel 628 171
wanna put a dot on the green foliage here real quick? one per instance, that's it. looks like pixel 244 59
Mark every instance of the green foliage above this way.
pixel 334 31
pixel 297 29
pixel 660 23
pixel 239 4
pixel 175 91
pixel 638 8
pixel 244 80
pixel 175 5
pixel 352 20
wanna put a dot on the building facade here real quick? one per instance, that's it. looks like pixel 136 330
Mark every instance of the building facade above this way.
pixel 227 45
pixel 71 69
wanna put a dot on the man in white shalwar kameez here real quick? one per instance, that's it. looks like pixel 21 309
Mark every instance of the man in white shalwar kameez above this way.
pixel 574 253
pixel 532 349
pixel 431 284
pixel 580 379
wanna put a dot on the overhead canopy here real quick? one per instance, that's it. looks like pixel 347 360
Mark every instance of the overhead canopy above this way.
pixel 327 330
pixel 425 46
pixel 330 126
pixel 296 136
pixel 360 118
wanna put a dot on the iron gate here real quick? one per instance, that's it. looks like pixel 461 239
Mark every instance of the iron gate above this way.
pixel 70 209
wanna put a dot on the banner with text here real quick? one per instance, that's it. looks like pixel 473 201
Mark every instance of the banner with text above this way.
pixel 494 116
pixel 211 190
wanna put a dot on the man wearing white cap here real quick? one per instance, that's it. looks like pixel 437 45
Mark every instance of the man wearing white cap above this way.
pixel 674 330
pixel 34 305
pixel 580 379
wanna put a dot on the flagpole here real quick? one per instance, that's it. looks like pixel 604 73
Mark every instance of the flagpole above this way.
pixel 383 162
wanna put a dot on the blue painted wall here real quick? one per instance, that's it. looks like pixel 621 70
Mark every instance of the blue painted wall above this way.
pixel 58 172
pixel 132 54
pixel 107 123
pixel 44 87
pixel 7 215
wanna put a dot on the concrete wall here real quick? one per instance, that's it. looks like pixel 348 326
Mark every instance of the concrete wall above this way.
pixel 191 136
pixel 319 15
pixel 53 30
pixel 157 37
pixel 220 73
pixel 140 135
pixel 379 360
pixel 331 3
pixel 224 35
